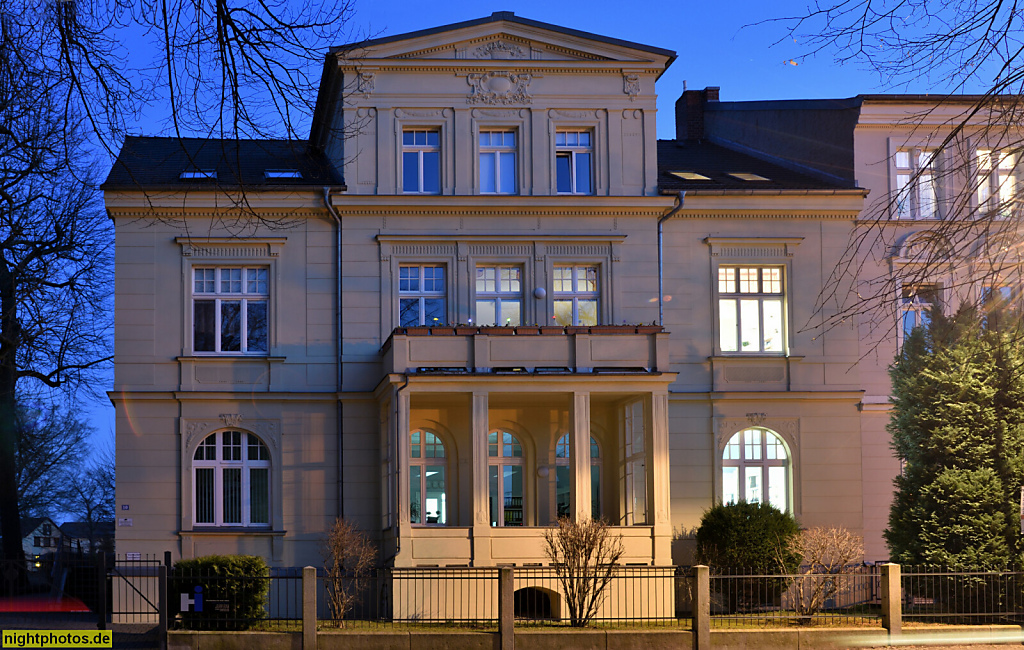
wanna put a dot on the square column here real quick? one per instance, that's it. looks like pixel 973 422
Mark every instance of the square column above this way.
pixel 579 457
pixel 658 479
pixel 481 542
pixel 400 441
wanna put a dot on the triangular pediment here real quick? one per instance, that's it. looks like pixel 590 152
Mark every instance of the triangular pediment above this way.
pixel 505 37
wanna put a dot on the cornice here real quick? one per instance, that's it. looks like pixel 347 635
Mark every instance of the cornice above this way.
pixel 529 237
pixel 536 68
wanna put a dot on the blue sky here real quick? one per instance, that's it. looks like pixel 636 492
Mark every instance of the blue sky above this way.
pixel 733 45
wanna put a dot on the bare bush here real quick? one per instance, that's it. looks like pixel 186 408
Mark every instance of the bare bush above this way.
pixel 584 554
pixel 829 556
pixel 349 558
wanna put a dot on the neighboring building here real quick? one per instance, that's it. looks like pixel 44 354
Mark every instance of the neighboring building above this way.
pixel 931 164
pixel 39 537
pixel 88 536
pixel 440 316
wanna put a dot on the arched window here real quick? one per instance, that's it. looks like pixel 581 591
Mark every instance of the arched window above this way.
pixel 231 480
pixel 755 468
pixel 505 479
pixel 427 498
pixel 563 480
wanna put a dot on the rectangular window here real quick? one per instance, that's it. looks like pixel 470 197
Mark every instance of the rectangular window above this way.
pixel 573 162
pixel 229 310
pixel 575 295
pixel 421 161
pixel 997 182
pixel 498 162
pixel 916 304
pixel 915 184
pixel 499 295
pixel 421 295
pixel 634 472
pixel 750 309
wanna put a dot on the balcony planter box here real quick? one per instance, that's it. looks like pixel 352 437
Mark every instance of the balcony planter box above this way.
pixel 442 331
pixel 552 330
pixel 498 331
pixel 576 329
pixel 649 329
pixel 418 330
pixel 465 330
pixel 527 330
pixel 611 329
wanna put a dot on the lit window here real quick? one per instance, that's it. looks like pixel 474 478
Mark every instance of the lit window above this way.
pixel 750 309
pixel 915 305
pixel 755 469
pixel 575 295
pixel 428 502
pixel 573 156
pixel 198 175
pixel 746 176
pixel 421 161
pixel 997 181
pixel 499 295
pixel 232 480
pixel 505 479
pixel 498 162
pixel 563 480
pixel 915 184
pixel 634 472
pixel 229 310
pixel 421 294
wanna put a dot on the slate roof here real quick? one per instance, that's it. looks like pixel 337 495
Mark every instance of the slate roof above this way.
pixel 80 529
pixel 157 163
pixel 716 163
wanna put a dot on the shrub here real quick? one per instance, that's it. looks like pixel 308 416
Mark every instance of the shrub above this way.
pixel 234 591
pixel 754 538
pixel 584 555
pixel 828 558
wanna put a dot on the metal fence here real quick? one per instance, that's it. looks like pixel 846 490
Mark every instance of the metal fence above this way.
pixel 934 594
pixel 199 601
pixel 751 599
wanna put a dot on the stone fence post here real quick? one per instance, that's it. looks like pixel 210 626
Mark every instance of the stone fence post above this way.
pixel 701 607
pixel 506 608
pixel 308 608
pixel 892 599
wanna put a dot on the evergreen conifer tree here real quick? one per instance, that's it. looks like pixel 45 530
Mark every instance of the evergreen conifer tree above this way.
pixel 958 427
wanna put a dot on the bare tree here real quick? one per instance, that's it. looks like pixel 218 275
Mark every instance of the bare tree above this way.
pixel 830 555
pixel 52 444
pixel 89 495
pixel 969 58
pixel 585 555
pixel 70 85
pixel 349 558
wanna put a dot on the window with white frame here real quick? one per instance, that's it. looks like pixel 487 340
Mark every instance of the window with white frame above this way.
pixel 915 184
pixel 574 154
pixel 751 309
pixel 229 310
pixel 505 479
pixel 421 295
pixel 231 480
pixel 997 181
pixel 997 296
pixel 634 468
pixel 916 302
pixel 499 295
pixel 421 161
pixel 498 162
pixel 755 469
pixel 428 501
pixel 575 295
pixel 563 479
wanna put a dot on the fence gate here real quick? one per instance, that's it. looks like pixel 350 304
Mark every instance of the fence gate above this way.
pixel 135 589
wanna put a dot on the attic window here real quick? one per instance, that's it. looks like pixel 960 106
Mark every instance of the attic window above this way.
pixel 745 176
pixel 690 176
pixel 199 175
pixel 282 173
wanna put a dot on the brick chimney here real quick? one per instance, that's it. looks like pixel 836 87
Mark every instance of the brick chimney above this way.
pixel 690 112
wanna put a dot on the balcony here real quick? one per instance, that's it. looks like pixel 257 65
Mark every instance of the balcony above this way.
pixel 527 350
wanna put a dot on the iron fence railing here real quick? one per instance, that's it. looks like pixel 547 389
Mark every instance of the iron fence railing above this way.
pixel 200 601
pixel 940 595
pixel 634 595
pixel 752 599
